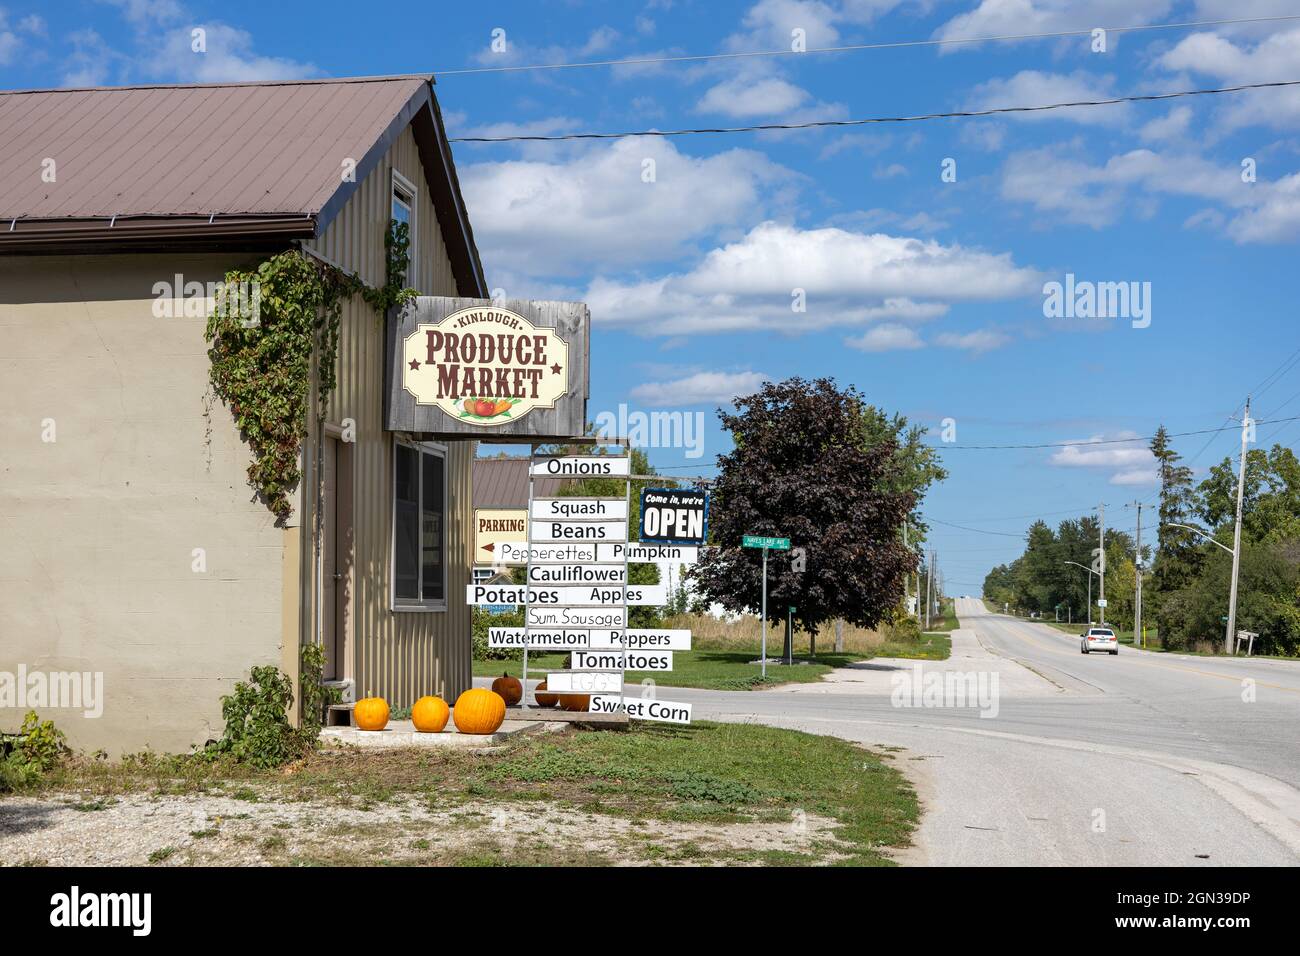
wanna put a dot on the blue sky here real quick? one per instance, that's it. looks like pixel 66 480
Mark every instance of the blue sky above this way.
pixel 926 294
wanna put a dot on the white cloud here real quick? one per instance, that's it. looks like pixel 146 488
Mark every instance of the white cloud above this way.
pixel 847 278
pixel 1276 218
pixel 701 388
pixel 1036 88
pixel 1133 462
pixel 592 208
pixel 892 171
pixel 1053 181
pixel 1015 17
pixel 1173 125
pixel 744 97
pixel 1136 476
pixel 516 53
pixel 886 337
pixel 163 51
pixel 977 342
pixel 1272 58
pixel 9 44
pixel 230 58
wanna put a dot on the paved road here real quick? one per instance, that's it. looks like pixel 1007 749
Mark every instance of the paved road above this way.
pixel 1136 759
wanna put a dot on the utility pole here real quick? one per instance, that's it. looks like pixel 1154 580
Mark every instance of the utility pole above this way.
pixel 907 578
pixel 1137 598
pixel 929 579
pixel 1230 639
pixel 1101 567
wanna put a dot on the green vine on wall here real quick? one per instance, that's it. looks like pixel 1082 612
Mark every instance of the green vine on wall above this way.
pixel 262 345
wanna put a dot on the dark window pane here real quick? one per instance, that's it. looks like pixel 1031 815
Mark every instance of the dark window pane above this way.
pixel 431 528
pixel 406 518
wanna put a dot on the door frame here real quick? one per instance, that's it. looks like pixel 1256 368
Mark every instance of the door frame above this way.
pixel 340 455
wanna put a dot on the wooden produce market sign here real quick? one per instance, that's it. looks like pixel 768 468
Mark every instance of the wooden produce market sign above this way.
pixel 496 371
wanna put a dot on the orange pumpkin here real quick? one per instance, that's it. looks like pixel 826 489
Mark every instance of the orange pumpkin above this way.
pixel 545 700
pixel 509 688
pixel 430 715
pixel 575 701
pixel 479 711
pixel 371 713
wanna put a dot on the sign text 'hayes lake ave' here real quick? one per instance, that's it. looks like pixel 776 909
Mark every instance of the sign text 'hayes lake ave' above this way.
pixel 759 541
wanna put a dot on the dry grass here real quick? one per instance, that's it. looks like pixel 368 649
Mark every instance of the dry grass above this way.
pixel 745 634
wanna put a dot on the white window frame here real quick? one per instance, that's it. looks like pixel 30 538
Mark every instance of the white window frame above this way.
pixel 420 605
pixel 400 184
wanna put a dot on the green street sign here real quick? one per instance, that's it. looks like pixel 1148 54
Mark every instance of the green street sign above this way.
pixel 758 541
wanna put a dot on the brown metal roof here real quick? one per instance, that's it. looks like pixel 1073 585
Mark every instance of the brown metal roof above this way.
pixel 222 150
pixel 140 165
pixel 503 483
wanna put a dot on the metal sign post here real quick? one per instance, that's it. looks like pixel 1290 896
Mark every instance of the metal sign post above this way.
pixel 767 544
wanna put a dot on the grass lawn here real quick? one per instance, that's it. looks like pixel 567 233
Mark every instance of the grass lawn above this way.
pixel 947 620
pixel 718 794
pixel 721 660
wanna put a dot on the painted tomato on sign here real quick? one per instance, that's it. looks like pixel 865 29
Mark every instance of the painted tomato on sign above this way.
pixel 485 365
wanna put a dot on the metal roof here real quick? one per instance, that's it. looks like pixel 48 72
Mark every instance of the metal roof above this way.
pixel 503 483
pixel 240 149
pixel 222 165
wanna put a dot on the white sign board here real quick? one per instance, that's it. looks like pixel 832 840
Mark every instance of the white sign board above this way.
pixel 591 509
pixel 637 595
pixel 619 658
pixel 583 682
pixel 663 711
pixel 1101 602
pixel 583 466
pixel 576 617
pixel 662 639
pixel 546 639
pixel 577 530
pixel 645 553
pixel 577 574
pixel 578 552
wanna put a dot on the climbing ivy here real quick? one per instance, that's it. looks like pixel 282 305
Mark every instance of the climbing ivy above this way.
pixel 262 346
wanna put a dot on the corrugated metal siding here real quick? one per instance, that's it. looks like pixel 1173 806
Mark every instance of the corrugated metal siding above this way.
pixel 397 655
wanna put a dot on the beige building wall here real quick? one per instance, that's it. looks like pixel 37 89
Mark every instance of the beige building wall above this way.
pixel 399 655
pixel 99 527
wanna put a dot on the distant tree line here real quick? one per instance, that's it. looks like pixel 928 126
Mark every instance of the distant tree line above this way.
pixel 1186 580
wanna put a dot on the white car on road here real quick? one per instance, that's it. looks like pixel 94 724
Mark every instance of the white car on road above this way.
pixel 1098 639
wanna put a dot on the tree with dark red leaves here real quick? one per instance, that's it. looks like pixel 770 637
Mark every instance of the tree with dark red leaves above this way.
pixel 812 464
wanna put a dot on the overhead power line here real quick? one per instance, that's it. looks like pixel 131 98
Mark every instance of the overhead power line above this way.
pixel 918 118
pixel 1001 534
pixel 1086 442
pixel 857 47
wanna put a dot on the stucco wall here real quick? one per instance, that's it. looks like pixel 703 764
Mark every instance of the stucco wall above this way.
pixel 98 528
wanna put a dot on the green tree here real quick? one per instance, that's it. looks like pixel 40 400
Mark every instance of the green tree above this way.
pixel 1178 558
pixel 809 463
